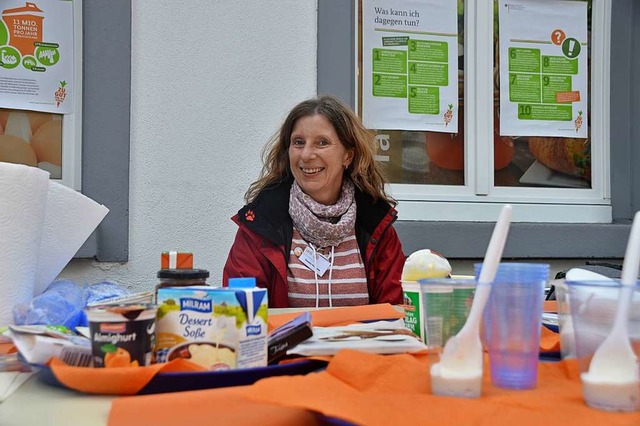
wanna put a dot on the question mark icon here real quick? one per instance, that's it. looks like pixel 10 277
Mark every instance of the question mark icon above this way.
pixel 557 37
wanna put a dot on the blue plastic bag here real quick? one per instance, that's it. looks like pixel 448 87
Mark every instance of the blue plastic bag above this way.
pixel 62 303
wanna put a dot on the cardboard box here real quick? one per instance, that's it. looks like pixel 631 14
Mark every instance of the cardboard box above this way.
pixel 176 260
pixel 217 328
pixel 288 336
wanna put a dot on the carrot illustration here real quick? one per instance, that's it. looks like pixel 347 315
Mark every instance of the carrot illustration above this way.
pixel 578 121
pixel 448 115
pixel 61 93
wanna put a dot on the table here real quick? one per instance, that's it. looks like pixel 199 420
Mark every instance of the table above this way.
pixel 38 403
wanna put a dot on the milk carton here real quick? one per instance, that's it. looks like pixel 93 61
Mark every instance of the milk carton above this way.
pixel 216 328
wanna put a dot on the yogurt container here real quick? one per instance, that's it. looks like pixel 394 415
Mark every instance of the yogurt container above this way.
pixel 122 335
pixel 413 305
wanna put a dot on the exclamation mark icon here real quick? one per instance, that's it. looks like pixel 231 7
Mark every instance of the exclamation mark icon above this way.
pixel 572 44
pixel 571 48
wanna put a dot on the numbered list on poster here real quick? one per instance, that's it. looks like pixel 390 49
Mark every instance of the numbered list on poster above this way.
pixel 543 68
pixel 410 65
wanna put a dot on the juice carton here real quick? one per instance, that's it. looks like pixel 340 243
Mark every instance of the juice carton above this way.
pixel 217 328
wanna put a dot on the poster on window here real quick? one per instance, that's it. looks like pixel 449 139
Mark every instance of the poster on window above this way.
pixel 543 68
pixel 410 65
pixel 36 55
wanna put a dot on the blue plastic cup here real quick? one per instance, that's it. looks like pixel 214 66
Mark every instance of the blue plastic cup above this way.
pixel 512 322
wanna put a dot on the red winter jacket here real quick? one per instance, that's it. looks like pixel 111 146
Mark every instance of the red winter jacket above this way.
pixel 263 243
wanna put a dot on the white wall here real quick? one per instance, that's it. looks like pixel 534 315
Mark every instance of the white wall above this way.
pixel 211 81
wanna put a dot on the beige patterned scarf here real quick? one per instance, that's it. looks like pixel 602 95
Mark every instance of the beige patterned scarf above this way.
pixel 319 224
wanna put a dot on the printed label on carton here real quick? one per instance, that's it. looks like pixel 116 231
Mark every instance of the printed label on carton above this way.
pixel 412 314
pixel 217 328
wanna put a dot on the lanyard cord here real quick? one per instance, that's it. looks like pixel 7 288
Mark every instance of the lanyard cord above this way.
pixel 315 274
pixel 330 272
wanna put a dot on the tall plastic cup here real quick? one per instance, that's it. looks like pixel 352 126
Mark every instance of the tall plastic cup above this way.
pixel 447 302
pixel 565 321
pixel 437 308
pixel 593 310
pixel 461 301
pixel 512 321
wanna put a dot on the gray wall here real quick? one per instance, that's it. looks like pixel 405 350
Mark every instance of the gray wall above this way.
pixel 548 240
pixel 106 100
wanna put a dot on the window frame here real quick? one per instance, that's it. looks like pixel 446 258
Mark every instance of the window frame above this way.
pixel 72 123
pixel 477 198
pixel 467 240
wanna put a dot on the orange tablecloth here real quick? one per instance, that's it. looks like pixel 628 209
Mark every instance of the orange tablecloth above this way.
pixel 373 390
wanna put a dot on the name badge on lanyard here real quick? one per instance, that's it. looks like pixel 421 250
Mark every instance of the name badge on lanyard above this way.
pixel 320 265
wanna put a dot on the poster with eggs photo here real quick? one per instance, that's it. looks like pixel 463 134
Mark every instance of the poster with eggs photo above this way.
pixel 32 138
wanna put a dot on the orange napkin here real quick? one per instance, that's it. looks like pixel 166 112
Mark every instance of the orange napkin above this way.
pixel 376 390
pixel 549 340
pixel 7 348
pixel 550 306
pixel 341 316
pixel 114 381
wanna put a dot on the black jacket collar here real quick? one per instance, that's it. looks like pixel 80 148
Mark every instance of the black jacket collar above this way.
pixel 268 214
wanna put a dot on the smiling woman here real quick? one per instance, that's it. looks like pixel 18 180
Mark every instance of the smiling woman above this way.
pixel 318 159
pixel 317 228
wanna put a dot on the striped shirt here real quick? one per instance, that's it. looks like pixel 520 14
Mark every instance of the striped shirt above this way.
pixel 348 284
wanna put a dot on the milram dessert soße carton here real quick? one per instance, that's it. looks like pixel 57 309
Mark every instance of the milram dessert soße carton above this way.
pixel 217 328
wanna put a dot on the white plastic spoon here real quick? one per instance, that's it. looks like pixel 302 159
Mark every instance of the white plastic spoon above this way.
pixel 613 379
pixel 459 372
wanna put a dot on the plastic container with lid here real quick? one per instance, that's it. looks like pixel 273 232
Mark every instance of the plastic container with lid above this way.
pixel 181 278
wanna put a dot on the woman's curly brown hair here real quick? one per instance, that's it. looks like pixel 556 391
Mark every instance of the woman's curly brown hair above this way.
pixel 365 173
